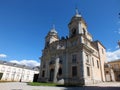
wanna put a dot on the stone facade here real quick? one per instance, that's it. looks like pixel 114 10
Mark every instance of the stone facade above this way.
pixel 74 60
pixel 115 66
pixel 15 72
pixel 109 73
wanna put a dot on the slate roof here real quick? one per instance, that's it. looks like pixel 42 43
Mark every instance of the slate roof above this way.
pixel 16 65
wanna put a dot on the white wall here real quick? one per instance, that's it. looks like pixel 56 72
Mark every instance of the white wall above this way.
pixel 11 73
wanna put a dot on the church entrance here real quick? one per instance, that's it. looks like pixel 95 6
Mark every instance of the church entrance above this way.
pixel 51 74
pixel 60 71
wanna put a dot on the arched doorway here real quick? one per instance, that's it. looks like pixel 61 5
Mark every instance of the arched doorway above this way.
pixel 51 74
pixel 1 75
pixel 60 72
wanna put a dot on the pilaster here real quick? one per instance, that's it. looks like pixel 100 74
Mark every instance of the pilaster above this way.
pixel 56 69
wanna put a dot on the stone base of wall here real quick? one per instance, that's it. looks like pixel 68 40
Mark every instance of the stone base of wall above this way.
pixel 89 82
pixel 72 81
pixel 42 80
pixel 75 81
pixel 80 82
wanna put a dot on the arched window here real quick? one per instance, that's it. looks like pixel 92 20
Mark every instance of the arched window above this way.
pixel 84 32
pixel 119 76
pixel 93 61
pixel 73 31
pixel 43 73
pixel 74 71
pixel 97 63
pixel 88 71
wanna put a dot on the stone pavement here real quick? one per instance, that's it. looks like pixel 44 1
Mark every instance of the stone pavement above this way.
pixel 107 84
pixel 24 86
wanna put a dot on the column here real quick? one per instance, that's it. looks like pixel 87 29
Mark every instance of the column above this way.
pixel 56 70
pixel 83 67
pixel 48 71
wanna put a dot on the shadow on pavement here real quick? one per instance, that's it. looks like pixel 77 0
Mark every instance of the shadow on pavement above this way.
pixel 92 88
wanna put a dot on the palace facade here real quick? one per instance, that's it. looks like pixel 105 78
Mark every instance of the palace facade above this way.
pixel 112 72
pixel 16 72
pixel 74 60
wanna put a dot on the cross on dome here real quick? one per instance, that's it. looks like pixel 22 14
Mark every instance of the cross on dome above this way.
pixel 77 13
pixel 53 29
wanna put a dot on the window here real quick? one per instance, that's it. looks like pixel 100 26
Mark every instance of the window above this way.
pixel 43 73
pixel 93 61
pixel 87 58
pixel 74 58
pixel 74 43
pixel 118 76
pixel 3 69
pixel 88 71
pixel 7 75
pixel 8 70
pixel 74 71
pixel 23 71
pixel 18 76
pixel 14 70
pixel 73 31
pixel 116 66
pixel 102 51
pixel 27 78
pixel 52 62
pixel 107 72
pixel 85 42
pixel 47 44
pixel 12 77
pixel 61 60
pixel 19 71
pixel 97 64
pixel 28 72
pixel 44 65
pixel 84 32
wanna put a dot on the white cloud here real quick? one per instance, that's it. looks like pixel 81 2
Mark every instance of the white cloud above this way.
pixel 109 49
pixel 119 31
pixel 31 63
pixel 117 47
pixel 3 56
pixel 113 55
pixel 118 22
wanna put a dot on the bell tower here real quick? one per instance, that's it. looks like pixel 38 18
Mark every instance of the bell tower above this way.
pixel 77 25
pixel 52 36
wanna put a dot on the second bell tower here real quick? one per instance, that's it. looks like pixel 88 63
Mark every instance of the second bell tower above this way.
pixel 77 25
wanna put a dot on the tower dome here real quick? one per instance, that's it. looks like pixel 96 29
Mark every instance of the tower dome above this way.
pixel 53 31
pixel 77 16
pixel 51 37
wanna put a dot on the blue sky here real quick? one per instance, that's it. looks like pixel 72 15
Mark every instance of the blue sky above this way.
pixel 25 23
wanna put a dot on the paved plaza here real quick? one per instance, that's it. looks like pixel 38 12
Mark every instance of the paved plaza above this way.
pixel 24 86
